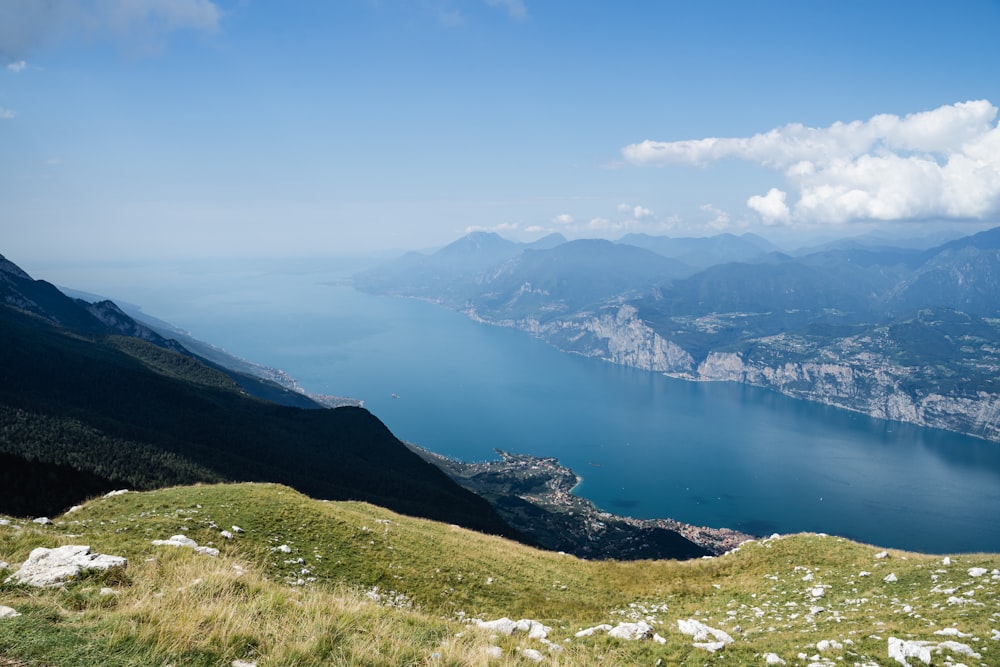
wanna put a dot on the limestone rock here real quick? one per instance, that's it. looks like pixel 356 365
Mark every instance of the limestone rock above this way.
pixel 7 612
pixel 701 633
pixel 52 567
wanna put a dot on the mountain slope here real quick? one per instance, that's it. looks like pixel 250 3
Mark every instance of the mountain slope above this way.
pixel 121 409
pixel 310 583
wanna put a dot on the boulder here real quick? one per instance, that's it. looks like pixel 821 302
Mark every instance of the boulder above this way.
pixel 52 567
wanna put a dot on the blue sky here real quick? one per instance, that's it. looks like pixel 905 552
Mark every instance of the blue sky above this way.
pixel 157 129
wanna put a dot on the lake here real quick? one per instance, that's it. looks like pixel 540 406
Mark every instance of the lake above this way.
pixel 646 445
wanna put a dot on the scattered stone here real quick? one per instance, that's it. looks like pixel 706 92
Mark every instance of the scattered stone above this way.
pixel 284 548
pixel 882 554
pixel 701 632
pixel 4 522
pixel 7 612
pixel 531 654
pixel 185 541
pixel 829 645
pixel 112 494
pixel 952 632
pixel 603 627
pixel 105 591
pixel 506 626
pixel 864 573
pixel 891 578
pixel 996 635
pixel 243 663
pixel 773 659
pixel 237 529
pixel 901 649
pixel 957 647
pixel 946 560
pixel 817 592
pixel 226 535
pixel 42 521
pixel 4 565
pixel 974 572
pixel 633 631
pixel 74 508
pixel 52 567
pixel 494 652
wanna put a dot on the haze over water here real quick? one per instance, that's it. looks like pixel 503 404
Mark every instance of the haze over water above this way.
pixel 646 445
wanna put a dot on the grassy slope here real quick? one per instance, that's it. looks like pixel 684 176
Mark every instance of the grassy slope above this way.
pixel 174 606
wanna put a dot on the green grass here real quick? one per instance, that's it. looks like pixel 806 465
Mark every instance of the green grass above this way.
pixel 316 604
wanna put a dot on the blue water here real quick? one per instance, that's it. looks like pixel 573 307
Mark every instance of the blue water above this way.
pixel 646 445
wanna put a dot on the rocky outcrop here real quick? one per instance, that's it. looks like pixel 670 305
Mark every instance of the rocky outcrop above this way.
pixel 53 567
pixel 877 390
pixel 617 335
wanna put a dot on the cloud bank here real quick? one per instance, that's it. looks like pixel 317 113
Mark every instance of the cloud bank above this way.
pixel 940 163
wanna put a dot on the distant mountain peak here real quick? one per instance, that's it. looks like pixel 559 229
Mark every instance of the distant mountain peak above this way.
pixel 10 267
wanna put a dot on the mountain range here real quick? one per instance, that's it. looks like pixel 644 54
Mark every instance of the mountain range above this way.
pixel 896 332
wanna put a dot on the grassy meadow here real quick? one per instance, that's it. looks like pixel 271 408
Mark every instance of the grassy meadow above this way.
pixel 346 583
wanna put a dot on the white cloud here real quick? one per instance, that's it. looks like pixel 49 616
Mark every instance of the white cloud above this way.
pixel 6 114
pixel 18 66
pixel 939 163
pixel 27 24
pixel 637 212
pixel 720 219
pixel 640 212
pixel 514 8
pixel 771 207
pixel 563 219
pixel 496 229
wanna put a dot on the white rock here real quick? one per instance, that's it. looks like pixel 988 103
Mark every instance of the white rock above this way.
pixel 42 521
pixel 632 631
pixel 828 645
pixel 890 578
pixel 176 541
pixel 494 652
pixel 52 567
pixel 4 565
pixel 186 542
pixel 531 654
pixel 900 650
pixel 105 591
pixel 946 560
pixel 773 659
pixel 7 612
pixel 701 632
pixel 243 663
pixel 995 636
pixel 952 632
pixel 864 573
pixel 284 548
pixel 957 647
pixel 74 508
pixel 817 592
pixel 4 522
pixel 973 571
pixel 112 494
pixel 603 627
pixel 504 625
pixel 226 535
pixel 882 554
pixel 237 529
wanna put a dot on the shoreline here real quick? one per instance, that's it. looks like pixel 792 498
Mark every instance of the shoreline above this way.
pixel 535 495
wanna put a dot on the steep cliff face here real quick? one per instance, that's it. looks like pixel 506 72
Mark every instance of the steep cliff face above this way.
pixel 616 335
pixel 878 390
pixel 856 373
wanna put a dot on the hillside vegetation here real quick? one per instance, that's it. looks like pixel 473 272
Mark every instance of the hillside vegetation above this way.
pixel 308 582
